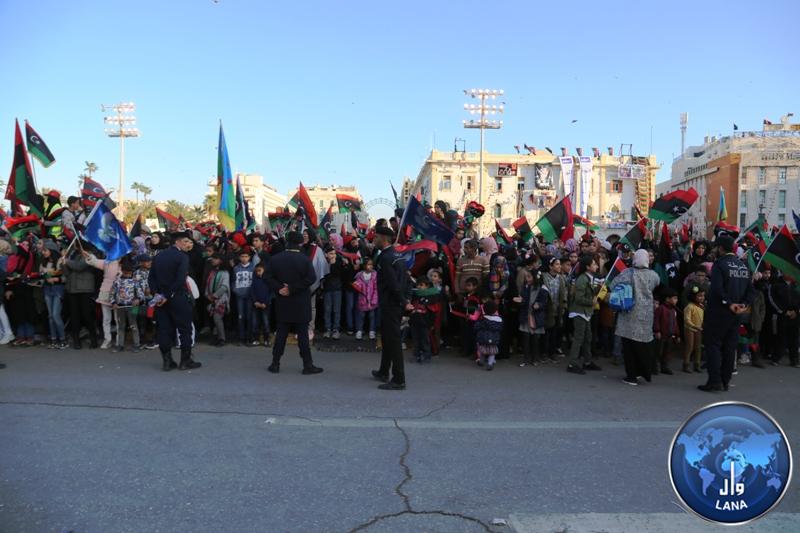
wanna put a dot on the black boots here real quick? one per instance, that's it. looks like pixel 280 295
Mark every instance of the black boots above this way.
pixel 169 363
pixel 187 363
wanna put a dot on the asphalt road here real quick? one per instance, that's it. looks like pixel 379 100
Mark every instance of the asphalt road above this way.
pixel 98 442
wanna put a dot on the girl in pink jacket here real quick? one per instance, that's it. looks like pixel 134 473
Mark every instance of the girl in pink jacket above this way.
pixel 110 272
pixel 366 284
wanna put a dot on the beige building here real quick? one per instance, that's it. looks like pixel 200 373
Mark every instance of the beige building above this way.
pixel 604 186
pixel 758 170
pixel 261 198
pixel 324 196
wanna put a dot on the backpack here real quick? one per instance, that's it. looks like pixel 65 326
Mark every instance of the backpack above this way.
pixel 622 298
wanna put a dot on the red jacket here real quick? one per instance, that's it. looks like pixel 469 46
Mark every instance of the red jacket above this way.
pixel 666 321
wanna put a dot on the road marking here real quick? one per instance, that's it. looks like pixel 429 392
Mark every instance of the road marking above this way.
pixel 642 523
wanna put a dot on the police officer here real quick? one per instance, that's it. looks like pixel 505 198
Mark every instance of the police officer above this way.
pixel 392 299
pixel 167 281
pixel 290 276
pixel 729 297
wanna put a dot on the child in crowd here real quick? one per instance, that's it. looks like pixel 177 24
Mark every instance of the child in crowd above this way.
pixel 439 315
pixel 242 284
pixel 332 294
pixel 421 320
pixel 261 297
pixel 366 285
pixel 533 299
pixel 126 295
pixel 487 335
pixel 144 321
pixel 665 330
pixel 218 293
pixel 581 309
pixel 693 329
pixel 472 313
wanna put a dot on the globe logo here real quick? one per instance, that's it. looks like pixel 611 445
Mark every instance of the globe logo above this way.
pixel 730 463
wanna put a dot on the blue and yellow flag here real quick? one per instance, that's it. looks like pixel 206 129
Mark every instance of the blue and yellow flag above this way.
pixel 226 195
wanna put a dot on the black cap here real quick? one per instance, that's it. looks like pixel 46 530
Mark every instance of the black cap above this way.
pixel 386 231
pixel 181 235
pixel 294 238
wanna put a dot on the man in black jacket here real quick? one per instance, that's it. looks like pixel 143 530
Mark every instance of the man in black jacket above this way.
pixel 392 300
pixel 290 277
pixel 730 295
pixel 167 280
pixel 785 303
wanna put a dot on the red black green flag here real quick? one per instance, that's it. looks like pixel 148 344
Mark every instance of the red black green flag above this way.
pixel 138 227
pixel 782 253
pixel 301 201
pixel 37 147
pixel 618 266
pixel 172 223
pixel 347 203
pixel 325 225
pixel 665 246
pixel 671 206
pixel 557 222
pixel 21 226
pixel 522 227
pixel 635 235
pixel 21 187
pixel 500 234
pixel 755 254
pixel 583 222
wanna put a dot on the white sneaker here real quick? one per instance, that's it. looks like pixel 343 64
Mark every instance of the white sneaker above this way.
pixel 326 335
pixel 359 335
pixel 106 345
pixel 372 335
pixel 7 338
pixel 336 335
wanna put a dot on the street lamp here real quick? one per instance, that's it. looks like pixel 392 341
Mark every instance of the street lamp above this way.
pixel 483 109
pixel 123 121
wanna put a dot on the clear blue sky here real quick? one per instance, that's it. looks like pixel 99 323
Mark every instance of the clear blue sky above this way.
pixel 353 92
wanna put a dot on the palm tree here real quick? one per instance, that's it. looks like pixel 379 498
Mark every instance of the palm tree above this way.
pixel 174 207
pixel 91 168
pixel 210 205
pixel 81 177
pixel 196 213
pixel 145 190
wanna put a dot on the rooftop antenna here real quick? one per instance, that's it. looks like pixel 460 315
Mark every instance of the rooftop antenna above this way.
pixel 684 123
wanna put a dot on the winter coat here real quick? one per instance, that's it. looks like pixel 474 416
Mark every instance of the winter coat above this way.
pixel 488 330
pixel 637 324
pixel 243 279
pixel 79 277
pixel 259 292
pixel 367 291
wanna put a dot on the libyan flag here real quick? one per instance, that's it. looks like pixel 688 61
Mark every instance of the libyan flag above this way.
pixel 782 253
pixel 557 222
pixel 37 147
pixel 347 203
pixel 171 222
pixel 21 226
pixel 584 223
pixel 522 227
pixel 500 234
pixel 21 187
pixel 635 235
pixel 671 206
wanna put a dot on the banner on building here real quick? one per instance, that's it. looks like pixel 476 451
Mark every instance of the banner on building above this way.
pixel 567 182
pixel 635 172
pixel 507 169
pixel 538 199
pixel 586 182
pixel 544 176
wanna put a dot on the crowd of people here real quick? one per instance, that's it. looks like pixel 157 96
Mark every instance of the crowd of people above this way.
pixel 696 308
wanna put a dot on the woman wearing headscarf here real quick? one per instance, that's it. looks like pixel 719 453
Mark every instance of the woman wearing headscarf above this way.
pixel 636 326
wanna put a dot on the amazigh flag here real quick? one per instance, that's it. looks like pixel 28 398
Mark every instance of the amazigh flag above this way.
pixel 325 225
pixel 671 206
pixel 782 253
pixel 425 223
pixel 583 222
pixel 21 187
pixel 635 235
pixel 557 222
pixel 522 228
pixel 171 222
pixel 21 226
pixel 722 213
pixel 347 203
pixel 226 195
pixel 37 147
pixel 302 202
pixel 500 234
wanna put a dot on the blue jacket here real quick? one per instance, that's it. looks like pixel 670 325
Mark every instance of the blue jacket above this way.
pixel 259 292
pixel 730 283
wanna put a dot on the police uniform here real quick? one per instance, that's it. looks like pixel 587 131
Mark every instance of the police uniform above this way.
pixel 291 268
pixel 392 299
pixel 168 278
pixel 730 284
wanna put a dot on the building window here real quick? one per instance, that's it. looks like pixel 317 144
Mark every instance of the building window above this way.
pixel 498 211
pixel 322 204
pixel 782 176
pixel 616 185
pixel 470 179
pixel 743 199
pixel 744 178
pixel 498 185
pixel 742 220
pixel 781 219
pixel 445 183
pixel 762 175
pixel 762 197
pixel 782 199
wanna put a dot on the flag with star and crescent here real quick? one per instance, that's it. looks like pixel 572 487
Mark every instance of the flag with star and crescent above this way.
pixel 37 148
pixel 347 203
pixel 671 206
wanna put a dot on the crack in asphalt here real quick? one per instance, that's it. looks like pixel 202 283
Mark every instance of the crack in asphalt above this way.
pixel 408 476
